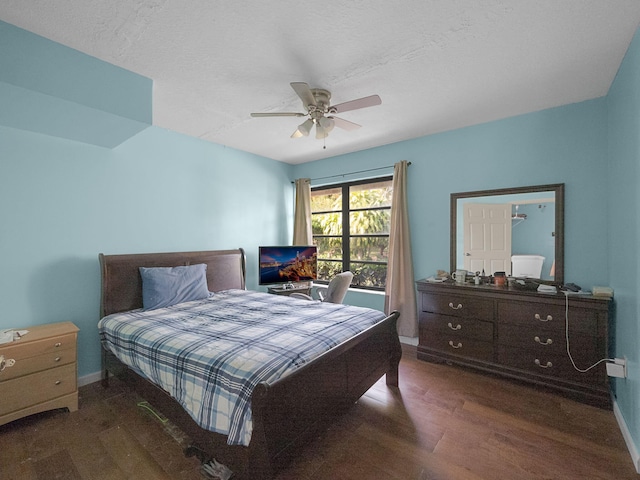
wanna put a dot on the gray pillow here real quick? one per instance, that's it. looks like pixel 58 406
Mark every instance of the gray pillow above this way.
pixel 166 286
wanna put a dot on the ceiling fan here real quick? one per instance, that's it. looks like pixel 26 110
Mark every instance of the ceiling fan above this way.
pixel 316 102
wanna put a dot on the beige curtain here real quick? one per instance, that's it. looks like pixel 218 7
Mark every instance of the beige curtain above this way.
pixel 400 292
pixel 302 215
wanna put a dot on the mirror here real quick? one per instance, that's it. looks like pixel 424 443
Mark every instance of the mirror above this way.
pixel 488 227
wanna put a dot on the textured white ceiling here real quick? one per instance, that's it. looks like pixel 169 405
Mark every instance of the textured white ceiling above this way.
pixel 437 65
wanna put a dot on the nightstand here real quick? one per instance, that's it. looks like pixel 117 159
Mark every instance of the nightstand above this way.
pixel 38 372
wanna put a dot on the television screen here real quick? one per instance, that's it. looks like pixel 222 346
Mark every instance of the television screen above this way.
pixel 289 264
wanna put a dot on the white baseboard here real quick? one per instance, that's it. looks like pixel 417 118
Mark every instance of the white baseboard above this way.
pixel 409 340
pixel 626 434
pixel 91 378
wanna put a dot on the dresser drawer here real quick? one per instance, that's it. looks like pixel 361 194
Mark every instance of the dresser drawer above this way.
pixel 25 366
pixel 457 326
pixel 456 345
pixel 551 317
pixel 36 388
pixel 542 340
pixel 553 364
pixel 458 305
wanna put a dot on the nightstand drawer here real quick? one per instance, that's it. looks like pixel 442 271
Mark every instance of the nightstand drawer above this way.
pixel 25 366
pixel 24 348
pixel 36 388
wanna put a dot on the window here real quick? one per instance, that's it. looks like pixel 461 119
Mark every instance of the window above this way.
pixel 350 223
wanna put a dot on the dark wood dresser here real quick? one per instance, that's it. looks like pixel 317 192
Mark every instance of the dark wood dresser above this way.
pixel 518 334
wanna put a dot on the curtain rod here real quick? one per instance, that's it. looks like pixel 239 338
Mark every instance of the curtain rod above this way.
pixel 353 173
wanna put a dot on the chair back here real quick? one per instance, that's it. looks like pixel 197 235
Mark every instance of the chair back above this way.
pixel 338 287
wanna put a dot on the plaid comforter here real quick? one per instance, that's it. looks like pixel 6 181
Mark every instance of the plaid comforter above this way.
pixel 210 354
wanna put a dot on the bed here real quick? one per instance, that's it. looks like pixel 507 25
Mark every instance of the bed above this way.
pixel 286 413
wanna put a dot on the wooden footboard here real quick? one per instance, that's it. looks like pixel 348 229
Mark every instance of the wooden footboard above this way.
pixel 288 413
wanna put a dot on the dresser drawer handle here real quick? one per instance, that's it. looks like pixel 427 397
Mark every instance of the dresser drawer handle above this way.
pixel 57 359
pixel 459 344
pixel 58 382
pixel 457 327
pixel 58 345
pixel 6 362
pixel 548 365
pixel 549 341
pixel 455 308
pixel 538 317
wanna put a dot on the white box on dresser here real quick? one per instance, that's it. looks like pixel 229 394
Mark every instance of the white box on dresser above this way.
pixel 38 372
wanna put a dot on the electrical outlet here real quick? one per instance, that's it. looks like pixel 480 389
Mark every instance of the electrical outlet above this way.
pixel 617 368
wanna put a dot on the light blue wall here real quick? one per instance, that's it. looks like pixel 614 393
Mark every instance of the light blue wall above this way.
pixel 48 88
pixel 64 198
pixel 624 228
pixel 592 147
pixel 562 145
pixel 63 202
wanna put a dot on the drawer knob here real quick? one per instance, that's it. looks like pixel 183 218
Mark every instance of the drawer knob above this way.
pixel 547 342
pixel 547 365
pixel 538 317
pixel 57 345
pixel 458 345
pixel 58 382
pixel 457 327
pixel 455 308
pixel 57 359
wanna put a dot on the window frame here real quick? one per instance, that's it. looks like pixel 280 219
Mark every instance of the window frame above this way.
pixel 346 235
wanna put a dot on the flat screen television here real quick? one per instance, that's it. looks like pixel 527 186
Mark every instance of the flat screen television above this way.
pixel 288 264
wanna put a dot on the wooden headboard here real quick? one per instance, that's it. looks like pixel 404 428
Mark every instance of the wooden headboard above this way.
pixel 122 284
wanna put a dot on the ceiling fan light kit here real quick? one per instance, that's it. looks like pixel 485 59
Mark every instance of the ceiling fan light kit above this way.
pixel 316 101
pixel 303 129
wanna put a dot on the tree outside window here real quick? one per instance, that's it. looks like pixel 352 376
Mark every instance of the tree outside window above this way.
pixel 350 223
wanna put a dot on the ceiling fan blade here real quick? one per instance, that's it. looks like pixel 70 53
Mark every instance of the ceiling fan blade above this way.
pixel 363 102
pixel 304 92
pixel 345 124
pixel 279 114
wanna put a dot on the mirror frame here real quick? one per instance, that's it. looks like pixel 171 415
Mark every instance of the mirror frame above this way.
pixel 557 188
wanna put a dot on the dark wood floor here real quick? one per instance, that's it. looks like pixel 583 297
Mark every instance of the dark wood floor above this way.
pixel 444 423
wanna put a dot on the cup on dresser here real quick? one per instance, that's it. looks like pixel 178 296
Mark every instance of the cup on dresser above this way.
pixel 460 276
